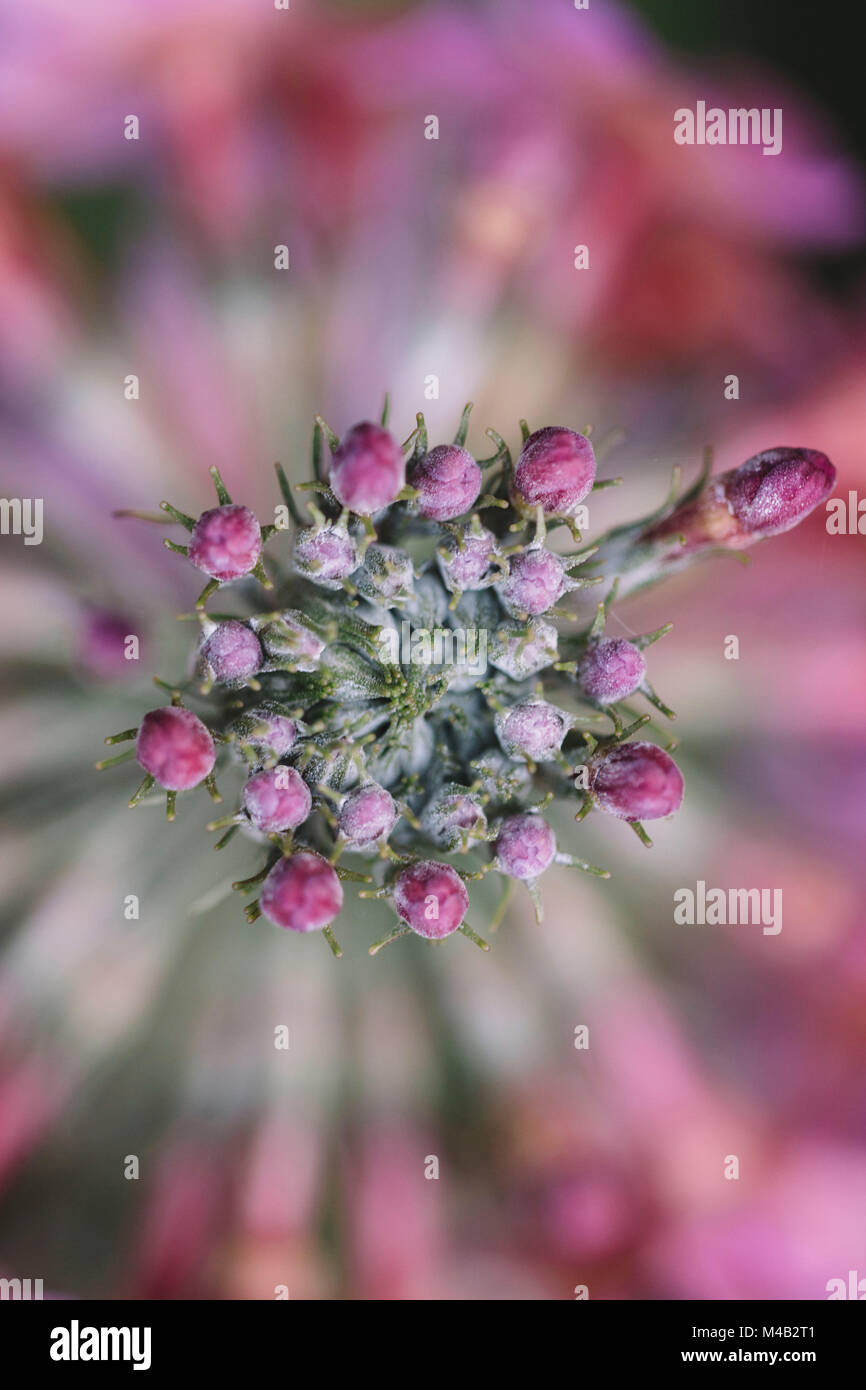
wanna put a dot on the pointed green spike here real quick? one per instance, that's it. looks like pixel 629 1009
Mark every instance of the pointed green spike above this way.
pixel 178 549
pixel 123 757
pixel 287 492
pixel 170 805
pixel 261 574
pixel 647 638
pixel 332 941
pixel 573 863
pixel 463 427
pixel 640 832
pixel 122 738
pixel 221 491
pixel 209 588
pixel 466 930
pixel 333 439
pixel 524 430
pixel 180 517
pixel 648 692
pixel 393 935
pixel 143 789
pixel 386 410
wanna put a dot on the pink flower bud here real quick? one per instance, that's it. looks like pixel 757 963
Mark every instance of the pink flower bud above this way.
pixel 533 729
pixel 775 490
pixel 175 747
pixel 449 481
pixel 278 737
pixel 471 567
pixel 555 470
pixel 525 846
pixel 637 781
pixel 452 813
pixel 226 542
pixel 767 495
pixel 431 898
pixel 535 581
pixel 325 554
pixel 367 470
pixel 611 669
pixel 302 893
pixel 232 652
pixel 368 814
pixel 277 800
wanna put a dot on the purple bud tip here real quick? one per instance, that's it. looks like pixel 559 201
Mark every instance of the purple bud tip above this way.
pixel 611 669
pixel 277 800
pixel 533 729
pixel 367 470
pixel 637 781
pixel 175 747
pixel 226 542
pixel 233 653
pixel 449 813
pixel 367 814
pixel 555 470
pixel 469 567
pixel 449 481
pixel 302 893
pixel 326 555
pixel 431 898
pixel 535 581
pixel 525 846
pixel 775 490
pixel 278 736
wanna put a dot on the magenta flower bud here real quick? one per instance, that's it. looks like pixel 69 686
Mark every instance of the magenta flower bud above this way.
pixel 367 470
pixel 277 800
pixel 175 747
pixel 279 735
pixel 611 669
pixel 473 566
pixel 555 470
pixel 302 893
pixel 637 781
pixel 521 651
pixel 226 542
pixel 368 814
pixel 533 729
pixel 452 814
pixel 233 653
pixel 325 554
pixel 449 481
pixel 525 846
pixel 775 490
pixel 431 898
pixel 767 495
pixel 534 582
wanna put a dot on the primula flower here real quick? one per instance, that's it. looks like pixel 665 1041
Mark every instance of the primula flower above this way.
pixel 352 743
